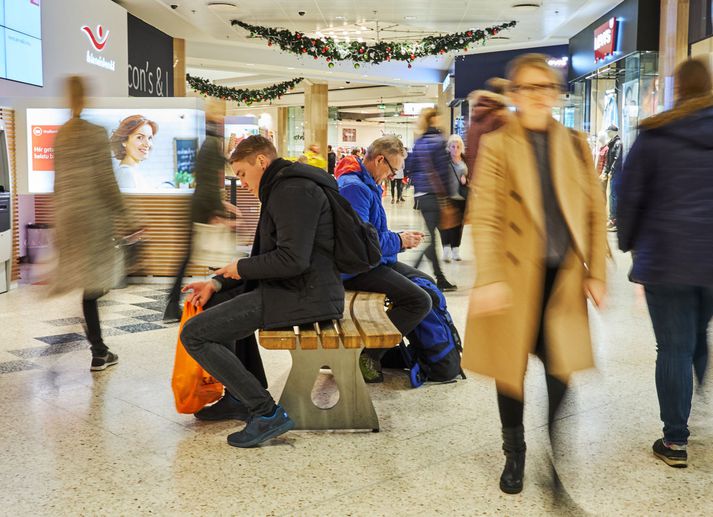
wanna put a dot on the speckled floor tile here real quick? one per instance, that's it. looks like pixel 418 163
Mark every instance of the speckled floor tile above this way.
pixel 74 442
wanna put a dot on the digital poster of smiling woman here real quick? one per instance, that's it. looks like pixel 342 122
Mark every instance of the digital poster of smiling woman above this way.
pixel 131 144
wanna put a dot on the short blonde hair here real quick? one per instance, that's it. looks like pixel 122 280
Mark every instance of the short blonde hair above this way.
pixel 425 120
pixel 457 139
pixel 536 61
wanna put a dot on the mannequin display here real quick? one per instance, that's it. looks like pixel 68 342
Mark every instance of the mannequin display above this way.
pixel 612 170
pixel 601 159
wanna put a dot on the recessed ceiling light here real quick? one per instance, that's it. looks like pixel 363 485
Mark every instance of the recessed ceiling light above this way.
pixel 409 17
pixel 527 6
pixel 339 18
pixel 341 87
pixel 290 67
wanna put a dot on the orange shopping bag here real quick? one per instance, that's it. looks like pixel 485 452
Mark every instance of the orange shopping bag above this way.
pixel 193 387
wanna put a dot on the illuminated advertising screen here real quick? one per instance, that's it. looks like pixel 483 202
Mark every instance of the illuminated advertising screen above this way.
pixel 153 150
pixel 21 41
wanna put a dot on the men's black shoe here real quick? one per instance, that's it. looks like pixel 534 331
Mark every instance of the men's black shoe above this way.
pixel 673 455
pixel 262 428
pixel 445 286
pixel 227 408
pixel 100 363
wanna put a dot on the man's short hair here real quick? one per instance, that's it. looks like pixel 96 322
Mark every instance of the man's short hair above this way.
pixel 536 61
pixel 386 145
pixel 249 148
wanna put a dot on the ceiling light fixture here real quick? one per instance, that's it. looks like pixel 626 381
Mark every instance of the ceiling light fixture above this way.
pixel 339 18
pixel 409 18
pixel 527 6
pixel 222 6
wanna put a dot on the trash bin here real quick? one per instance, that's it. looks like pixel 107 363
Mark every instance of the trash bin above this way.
pixel 39 242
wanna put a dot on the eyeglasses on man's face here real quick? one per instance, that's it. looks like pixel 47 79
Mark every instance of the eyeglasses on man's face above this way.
pixel 386 161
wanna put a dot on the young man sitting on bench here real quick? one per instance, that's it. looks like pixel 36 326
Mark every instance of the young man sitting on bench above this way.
pixel 290 279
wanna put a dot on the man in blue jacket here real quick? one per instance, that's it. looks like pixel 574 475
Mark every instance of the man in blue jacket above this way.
pixel 360 185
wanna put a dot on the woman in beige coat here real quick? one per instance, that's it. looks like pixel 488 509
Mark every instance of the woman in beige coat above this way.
pixel 540 245
pixel 88 207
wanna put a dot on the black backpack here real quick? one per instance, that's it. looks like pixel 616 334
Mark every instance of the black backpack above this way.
pixel 356 243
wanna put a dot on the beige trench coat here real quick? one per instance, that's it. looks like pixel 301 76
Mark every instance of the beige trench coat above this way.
pixel 508 225
pixel 88 207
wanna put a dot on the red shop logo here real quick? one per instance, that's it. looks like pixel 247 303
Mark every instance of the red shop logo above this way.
pixel 98 39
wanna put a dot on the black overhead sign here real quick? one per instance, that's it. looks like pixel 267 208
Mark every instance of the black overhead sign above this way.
pixel 150 60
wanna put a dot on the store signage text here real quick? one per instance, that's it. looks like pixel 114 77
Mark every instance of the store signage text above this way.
pixel 605 39
pixel 148 81
pixel 561 62
pixel 98 39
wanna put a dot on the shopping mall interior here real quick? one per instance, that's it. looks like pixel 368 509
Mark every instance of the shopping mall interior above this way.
pixel 88 433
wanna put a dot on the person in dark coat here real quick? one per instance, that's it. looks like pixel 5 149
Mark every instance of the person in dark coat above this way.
pixel 289 279
pixel 361 186
pixel 489 112
pixel 665 218
pixel 433 181
pixel 331 160
pixel 207 206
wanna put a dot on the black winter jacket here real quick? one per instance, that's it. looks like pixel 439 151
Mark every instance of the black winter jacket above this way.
pixel 292 261
pixel 665 205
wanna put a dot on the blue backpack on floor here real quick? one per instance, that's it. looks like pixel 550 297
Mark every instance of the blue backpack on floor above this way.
pixel 434 349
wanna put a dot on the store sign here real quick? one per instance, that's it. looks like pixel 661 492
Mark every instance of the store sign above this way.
pixel 150 60
pixel 560 63
pixel 98 39
pixel 605 39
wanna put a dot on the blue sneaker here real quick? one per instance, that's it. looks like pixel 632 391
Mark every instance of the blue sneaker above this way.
pixel 262 428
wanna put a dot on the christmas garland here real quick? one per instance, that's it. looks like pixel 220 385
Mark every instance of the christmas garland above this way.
pixel 244 96
pixel 359 52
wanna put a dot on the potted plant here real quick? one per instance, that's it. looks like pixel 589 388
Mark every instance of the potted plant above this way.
pixel 183 179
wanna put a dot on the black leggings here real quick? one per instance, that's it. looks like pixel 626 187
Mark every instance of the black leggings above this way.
pixel 453 236
pixel 398 186
pixel 93 329
pixel 511 410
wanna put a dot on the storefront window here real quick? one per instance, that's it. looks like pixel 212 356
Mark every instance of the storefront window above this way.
pixel 295 131
pixel 620 94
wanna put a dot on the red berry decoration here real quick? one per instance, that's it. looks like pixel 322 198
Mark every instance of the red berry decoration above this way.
pixel 269 43
pixel 304 50
pixel 413 56
pixel 298 36
pixel 315 57
pixel 469 34
pixel 361 50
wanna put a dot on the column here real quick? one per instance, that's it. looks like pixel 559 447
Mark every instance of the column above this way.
pixel 316 115
pixel 282 132
pixel 179 67
pixel 673 43
pixel 444 100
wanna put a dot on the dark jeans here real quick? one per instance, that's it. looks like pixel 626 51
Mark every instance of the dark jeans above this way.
pixel 431 211
pixel 410 302
pixel 453 236
pixel 398 186
pixel 93 329
pixel 209 336
pixel 680 315
pixel 511 410
pixel 613 188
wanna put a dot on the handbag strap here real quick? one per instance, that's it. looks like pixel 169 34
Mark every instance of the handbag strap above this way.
pixel 439 188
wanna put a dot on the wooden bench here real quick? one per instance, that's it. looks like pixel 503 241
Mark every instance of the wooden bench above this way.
pixel 336 344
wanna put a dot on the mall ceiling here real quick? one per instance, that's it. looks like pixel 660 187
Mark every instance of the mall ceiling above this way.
pixel 220 52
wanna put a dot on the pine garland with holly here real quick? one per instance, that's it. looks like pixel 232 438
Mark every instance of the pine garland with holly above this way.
pixel 241 95
pixel 360 52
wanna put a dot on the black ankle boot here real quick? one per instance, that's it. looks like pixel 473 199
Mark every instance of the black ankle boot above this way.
pixel 514 449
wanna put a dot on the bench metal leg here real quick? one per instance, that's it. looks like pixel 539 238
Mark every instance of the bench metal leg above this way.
pixel 354 410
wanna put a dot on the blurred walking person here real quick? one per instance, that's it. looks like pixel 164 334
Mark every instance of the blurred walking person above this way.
pixel 489 112
pixel 453 236
pixel 665 218
pixel 540 249
pixel 89 212
pixel 434 185
pixel 207 205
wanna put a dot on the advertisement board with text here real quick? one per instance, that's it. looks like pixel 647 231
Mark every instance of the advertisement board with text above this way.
pixel 142 144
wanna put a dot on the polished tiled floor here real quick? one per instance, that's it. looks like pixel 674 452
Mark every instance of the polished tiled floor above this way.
pixel 111 443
